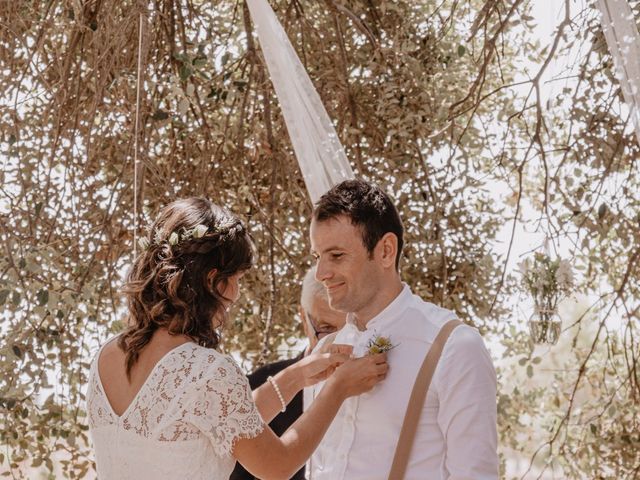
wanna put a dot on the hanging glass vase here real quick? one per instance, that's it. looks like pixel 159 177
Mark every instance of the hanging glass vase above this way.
pixel 544 327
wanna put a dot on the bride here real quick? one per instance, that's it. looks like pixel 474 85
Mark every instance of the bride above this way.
pixel 163 403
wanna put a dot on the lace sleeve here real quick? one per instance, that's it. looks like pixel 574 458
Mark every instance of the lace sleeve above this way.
pixel 223 407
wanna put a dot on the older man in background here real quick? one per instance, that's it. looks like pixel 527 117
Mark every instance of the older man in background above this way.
pixel 318 321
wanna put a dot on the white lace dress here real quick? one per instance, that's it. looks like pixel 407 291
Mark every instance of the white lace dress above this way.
pixel 181 425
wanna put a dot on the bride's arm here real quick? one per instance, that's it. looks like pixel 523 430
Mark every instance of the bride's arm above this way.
pixel 291 380
pixel 269 457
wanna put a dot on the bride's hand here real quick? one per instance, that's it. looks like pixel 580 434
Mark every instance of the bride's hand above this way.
pixel 335 348
pixel 317 366
pixel 359 375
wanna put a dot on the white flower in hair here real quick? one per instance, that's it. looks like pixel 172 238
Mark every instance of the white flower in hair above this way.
pixel 199 231
pixel 225 223
pixel 143 243
pixel 173 238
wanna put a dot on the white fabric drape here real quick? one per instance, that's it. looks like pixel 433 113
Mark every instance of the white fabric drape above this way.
pixel 320 154
pixel 621 33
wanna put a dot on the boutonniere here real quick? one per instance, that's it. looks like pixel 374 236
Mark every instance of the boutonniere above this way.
pixel 379 344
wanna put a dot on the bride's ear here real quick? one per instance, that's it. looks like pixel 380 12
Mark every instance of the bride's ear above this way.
pixel 211 277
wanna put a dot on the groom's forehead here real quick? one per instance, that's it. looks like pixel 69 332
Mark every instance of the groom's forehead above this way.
pixel 336 236
pixel 334 226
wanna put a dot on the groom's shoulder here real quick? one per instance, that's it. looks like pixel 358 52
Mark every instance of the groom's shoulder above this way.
pixel 430 312
pixel 424 319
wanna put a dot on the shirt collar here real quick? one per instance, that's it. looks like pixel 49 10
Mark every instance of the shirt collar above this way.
pixel 389 313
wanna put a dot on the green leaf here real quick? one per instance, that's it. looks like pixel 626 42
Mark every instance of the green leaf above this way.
pixel 160 115
pixel 3 296
pixel 117 326
pixel 185 72
pixel 461 50
pixel 43 297
pixel 16 297
pixel 16 351
pixel 181 57
pixel 529 371
pixel 183 106
pixel 199 62
pixel 602 211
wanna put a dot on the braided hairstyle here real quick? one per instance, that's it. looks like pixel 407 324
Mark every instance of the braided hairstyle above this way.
pixel 169 284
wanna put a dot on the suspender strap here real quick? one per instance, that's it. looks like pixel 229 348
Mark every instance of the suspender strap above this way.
pixel 416 401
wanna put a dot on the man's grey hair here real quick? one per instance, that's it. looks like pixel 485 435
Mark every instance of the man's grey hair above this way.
pixel 311 289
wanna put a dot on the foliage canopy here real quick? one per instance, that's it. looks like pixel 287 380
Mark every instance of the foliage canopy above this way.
pixel 429 100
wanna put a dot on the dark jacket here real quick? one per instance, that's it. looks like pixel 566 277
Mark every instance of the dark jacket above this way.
pixel 282 421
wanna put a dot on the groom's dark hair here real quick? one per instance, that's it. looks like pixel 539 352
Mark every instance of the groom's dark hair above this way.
pixel 368 208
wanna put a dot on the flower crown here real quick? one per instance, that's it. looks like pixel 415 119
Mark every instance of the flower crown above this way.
pixel 175 238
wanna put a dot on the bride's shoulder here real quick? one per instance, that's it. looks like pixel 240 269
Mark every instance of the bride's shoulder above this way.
pixel 106 352
pixel 211 364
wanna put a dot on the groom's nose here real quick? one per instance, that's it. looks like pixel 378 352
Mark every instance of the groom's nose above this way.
pixel 322 270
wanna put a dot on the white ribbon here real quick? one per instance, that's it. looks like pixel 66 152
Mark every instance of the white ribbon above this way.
pixel 622 37
pixel 320 154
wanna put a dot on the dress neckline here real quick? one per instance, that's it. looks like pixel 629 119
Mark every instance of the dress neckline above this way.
pixel 144 384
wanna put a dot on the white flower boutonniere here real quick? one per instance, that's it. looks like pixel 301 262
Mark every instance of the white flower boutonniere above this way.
pixel 379 344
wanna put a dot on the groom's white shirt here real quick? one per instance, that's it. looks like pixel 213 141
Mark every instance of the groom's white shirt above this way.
pixel 456 438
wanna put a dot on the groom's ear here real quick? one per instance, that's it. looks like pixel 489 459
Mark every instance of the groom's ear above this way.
pixel 386 250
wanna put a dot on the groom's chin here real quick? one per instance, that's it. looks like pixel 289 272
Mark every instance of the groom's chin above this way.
pixel 338 304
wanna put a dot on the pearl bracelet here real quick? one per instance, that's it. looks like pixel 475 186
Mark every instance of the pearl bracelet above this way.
pixel 272 381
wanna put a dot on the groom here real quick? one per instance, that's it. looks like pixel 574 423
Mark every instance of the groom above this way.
pixel 357 238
